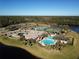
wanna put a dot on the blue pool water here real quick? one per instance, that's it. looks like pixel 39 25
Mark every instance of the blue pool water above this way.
pixel 48 41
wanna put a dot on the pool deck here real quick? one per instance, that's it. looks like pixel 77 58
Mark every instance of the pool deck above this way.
pixel 50 39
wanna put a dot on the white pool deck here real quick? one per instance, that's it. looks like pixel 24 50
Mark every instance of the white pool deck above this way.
pixel 42 43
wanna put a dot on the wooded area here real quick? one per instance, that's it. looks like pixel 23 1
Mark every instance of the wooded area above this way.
pixel 68 20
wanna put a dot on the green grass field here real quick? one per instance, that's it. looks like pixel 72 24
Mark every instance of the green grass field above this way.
pixel 68 52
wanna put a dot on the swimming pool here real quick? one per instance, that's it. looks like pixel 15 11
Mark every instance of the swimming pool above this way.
pixel 48 41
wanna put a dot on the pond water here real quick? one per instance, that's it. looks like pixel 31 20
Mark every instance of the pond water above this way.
pixel 75 28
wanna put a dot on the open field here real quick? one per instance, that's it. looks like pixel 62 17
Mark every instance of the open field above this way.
pixel 68 52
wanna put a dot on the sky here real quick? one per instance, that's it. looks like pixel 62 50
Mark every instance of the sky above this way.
pixel 39 7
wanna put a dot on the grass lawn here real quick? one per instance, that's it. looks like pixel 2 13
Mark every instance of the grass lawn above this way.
pixel 68 52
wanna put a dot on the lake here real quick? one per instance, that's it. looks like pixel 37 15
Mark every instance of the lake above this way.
pixel 75 28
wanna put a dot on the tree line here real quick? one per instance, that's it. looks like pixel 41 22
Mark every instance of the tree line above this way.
pixel 9 20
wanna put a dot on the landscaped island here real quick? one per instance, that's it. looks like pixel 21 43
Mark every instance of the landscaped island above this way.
pixel 46 40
